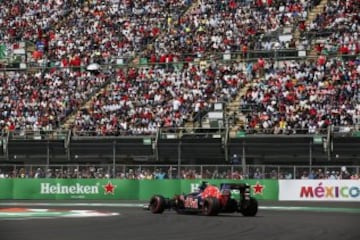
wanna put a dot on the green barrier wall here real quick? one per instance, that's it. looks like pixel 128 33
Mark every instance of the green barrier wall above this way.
pixel 110 189
pixel 6 188
pixel 266 189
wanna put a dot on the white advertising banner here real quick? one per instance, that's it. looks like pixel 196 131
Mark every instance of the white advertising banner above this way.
pixel 319 190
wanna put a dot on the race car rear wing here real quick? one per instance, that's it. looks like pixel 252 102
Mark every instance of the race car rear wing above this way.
pixel 243 188
pixel 233 186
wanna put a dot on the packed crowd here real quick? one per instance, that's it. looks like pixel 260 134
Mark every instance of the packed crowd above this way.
pixel 70 35
pixel 104 31
pixel 37 101
pixel 340 23
pixel 308 95
pixel 28 20
pixel 70 38
pixel 228 26
pixel 149 98
pixel 334 174
pixel 171 172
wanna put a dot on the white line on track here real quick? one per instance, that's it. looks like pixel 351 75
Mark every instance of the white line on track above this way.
pixel 83 204
pixel 141 205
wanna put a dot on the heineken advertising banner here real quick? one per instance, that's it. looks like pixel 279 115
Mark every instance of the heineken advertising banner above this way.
pixel 110 189
pixel 68 189
pixel 260 189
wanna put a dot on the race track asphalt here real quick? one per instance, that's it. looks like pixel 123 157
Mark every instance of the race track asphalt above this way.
pixel 133 223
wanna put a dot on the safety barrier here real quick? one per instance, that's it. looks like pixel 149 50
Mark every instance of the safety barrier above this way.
pixel 116 189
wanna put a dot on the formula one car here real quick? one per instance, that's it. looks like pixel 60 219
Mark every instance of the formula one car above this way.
pixel 209 201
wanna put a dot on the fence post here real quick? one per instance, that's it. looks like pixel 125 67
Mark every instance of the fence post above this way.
pixel 179 159
pixel 114 159
pixel 47 155
pixel 243 159
pixel 310 155
pixel 278 172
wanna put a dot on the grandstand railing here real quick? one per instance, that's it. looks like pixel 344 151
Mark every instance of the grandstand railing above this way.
pixel 38 135
pixel 346 131
pixel 175 133
pixel 276 55
pixel 175 171
pixel 332 145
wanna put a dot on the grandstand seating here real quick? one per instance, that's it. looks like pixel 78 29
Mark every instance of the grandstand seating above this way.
pixel 337 28
pixel 175 87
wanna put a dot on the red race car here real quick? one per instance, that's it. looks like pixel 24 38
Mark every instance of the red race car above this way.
pixel 209 200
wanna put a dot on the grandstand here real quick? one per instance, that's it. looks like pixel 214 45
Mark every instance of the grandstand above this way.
pixel 276 82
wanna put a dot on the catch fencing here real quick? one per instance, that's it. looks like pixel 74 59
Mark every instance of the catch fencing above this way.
pixel 148 172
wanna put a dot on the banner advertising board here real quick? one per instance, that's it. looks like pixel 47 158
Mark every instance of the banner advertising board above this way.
pixel 111 189
pixel 319 190
pixel 91 189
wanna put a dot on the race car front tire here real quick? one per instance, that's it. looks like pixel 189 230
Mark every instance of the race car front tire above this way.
pixel 251 208
pixel 211 206
pixel 157 204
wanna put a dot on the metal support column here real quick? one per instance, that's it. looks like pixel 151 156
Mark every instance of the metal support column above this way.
pixel 179 159
pixel 243 159
pixel 114 160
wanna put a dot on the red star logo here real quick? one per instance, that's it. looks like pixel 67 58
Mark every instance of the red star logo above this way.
pixel 109 188
pixel 258 188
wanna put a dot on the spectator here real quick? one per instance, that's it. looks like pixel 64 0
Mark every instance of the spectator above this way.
pixel 235 159
pixel 159 174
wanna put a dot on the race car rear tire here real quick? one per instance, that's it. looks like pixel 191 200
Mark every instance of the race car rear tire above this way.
pixel 211 207
pixel 251 208
pixel 157 204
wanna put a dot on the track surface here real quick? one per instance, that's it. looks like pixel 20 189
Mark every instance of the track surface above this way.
pixel 135 223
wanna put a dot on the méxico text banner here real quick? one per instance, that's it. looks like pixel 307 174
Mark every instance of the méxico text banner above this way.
pixel 319 190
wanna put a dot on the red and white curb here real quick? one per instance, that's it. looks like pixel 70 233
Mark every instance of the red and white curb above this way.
pixel 25 213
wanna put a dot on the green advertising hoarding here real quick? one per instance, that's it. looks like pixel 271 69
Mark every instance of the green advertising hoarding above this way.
pixel 6 188
pixel 167 188
pixel 112 189
pixel 91 189
pixel 260 189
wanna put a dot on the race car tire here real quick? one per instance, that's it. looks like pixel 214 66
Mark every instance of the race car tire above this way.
pixel 211 207
pixel 230 206
pixel 157 204
pixel 251 208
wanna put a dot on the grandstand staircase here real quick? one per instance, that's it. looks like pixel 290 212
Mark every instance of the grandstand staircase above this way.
pixel 233 109
pixel 30 48
pixel 71 118
pixel 311 17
